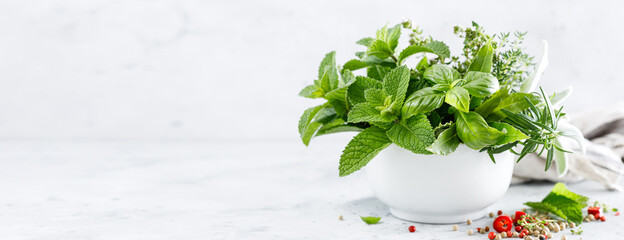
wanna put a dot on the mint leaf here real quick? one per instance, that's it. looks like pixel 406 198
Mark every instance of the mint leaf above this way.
pixel 307 128
pixel 441 74
pixel 365 41
pixel 446 143
pixel 347 77
pixel 365 112
pixel 561 189
pixel 380 49
pixel 483 60
pixel 439 48
pixel 338 100
pixel 395 84
pixel 328 73
pixel 311 91
pixel 355 91
pixel 414 134
pixel 370 220
pixel 480 84
pixel 376 97
pixel 361 149
pixel 511 134
pixel 354 64
pixel 474 131
pixel 377 72
pixel 422 101
pixel 459 98
pixel 563 203
pixel 411 50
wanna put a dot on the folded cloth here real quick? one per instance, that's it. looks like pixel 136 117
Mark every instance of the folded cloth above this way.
pixel 603 130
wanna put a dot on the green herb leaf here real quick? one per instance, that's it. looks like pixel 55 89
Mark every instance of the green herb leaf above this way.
pixel 563 203
pixel 414 134
pixel 446 142
pixel 483 61
pixel 422 101
pixel 439 48
pixel 311 91
pixel 336 126
pixel 487 107
pixel 354 64
pixel 361 149
pixel 515 103
pixel 338 100
pixel 411 50
pixel 377 72
pixel 380 49
pixel 365 112
pixel 474 131
pixel 441 74
pixel 545 207
pixel 355 91
pixel 459 98
pixel 365 41
pixel 480 84
pixel 370 220
pixel 307 128
pixel 561 189
pixel 511 134
pixel 395 84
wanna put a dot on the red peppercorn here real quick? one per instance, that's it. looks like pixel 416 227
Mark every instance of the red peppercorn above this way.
pixel 617 213
pixel 603 218
pixel 500 212
pixel 412 229
pixel 525 231
pixel 491 235
pixel 521 235
pixel 518 228
pixel 509 233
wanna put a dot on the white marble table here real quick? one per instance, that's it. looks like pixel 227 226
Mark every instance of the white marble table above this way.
pixel 213 190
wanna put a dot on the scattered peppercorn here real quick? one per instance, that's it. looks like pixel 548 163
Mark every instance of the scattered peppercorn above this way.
pixel 470 232
pixel 455 227
pixel 500 212
pixel 468 221
pixel 340 218
pixel 564 237
pixel 491 214
pixel 498 237
pixel 412 228
pixel 487 228
pixel 603 218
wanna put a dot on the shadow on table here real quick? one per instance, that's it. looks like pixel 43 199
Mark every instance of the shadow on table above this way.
pixel 369 206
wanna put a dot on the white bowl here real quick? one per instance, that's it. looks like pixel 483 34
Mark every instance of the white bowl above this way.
pixel 439 189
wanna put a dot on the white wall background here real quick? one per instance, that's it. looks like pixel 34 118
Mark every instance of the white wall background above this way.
pixel 232 69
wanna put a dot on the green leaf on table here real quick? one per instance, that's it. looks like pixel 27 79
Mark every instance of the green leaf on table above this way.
pixel 545 207
pixel 439 48
pixel 422 101
pixel 414 134
pixel 395 84
pixel 480 84
pixel 561 189
pixel 441 74
pixel 361 149
pixel 511 134
pixel 563 203
pixel 446 142
pixel 355 91
pixel 365 112
pixel 474 131
pixel 483 61
pixel 459 98
pixel 370 220
pixel 307 128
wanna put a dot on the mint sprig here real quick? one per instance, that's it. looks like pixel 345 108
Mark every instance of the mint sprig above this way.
pixel 562 203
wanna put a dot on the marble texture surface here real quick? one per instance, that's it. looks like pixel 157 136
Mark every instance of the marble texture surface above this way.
pixel 214 190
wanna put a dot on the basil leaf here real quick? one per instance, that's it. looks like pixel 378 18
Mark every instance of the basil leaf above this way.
pixel 446 142
pixel 459 98
pixel 487 107
pixel 474 131
pixel 414 134
pixel 483 61
pixel 480 84
pixel 441 74
pixel 422 101
pixel 511 134
pixel 515 103
pixel 361 149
